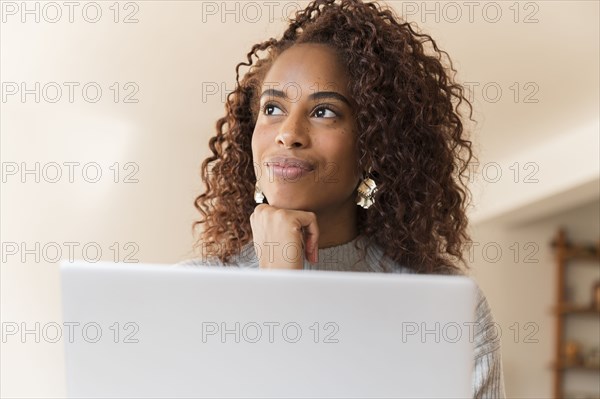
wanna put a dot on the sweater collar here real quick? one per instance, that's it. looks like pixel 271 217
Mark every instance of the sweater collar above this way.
pixel 353 255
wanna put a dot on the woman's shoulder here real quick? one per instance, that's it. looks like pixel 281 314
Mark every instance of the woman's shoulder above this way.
pixel 486 332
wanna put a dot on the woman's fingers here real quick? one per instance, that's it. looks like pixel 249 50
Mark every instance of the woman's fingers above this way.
pixel 310 230
pixel 286 227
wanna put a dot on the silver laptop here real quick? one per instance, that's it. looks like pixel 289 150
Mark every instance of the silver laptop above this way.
pixel 158 331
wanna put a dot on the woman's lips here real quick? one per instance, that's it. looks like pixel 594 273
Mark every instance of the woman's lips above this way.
pixel 288 168
pixel 288 172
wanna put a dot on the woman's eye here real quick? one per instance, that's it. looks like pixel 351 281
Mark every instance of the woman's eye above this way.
pixel 320 112
pixel 269 109
pixel 324 112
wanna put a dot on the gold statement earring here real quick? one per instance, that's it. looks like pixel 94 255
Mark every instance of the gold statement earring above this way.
pixel 258 195
pixel 366 191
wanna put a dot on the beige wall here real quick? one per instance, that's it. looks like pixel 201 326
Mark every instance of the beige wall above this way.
pixel 170 61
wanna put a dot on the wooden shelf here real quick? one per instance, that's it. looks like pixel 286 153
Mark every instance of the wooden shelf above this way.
pixel 574 254
pixel 564 366
pixel 589 252
pixel 570 308
pixel 566 252
pixel 575 395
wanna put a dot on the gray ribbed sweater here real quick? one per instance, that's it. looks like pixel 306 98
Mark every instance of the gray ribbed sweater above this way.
pixel 488 377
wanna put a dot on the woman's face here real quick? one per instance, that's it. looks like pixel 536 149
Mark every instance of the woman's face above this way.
pixel 306 114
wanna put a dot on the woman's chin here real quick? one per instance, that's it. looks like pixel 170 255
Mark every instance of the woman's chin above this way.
pixel 289 202
pixel 289 205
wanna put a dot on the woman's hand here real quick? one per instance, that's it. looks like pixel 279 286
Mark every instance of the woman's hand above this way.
pixel 282 237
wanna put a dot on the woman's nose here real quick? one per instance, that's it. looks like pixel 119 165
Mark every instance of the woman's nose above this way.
pixel 293 133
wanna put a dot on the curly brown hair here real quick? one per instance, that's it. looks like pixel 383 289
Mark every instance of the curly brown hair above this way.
pixel 410 136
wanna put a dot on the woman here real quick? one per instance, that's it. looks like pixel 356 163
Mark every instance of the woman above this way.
pixel 348 135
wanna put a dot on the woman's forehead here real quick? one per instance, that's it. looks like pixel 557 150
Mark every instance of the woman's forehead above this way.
pixel 309 66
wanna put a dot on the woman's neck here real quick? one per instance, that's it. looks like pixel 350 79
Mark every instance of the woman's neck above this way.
pixel 337 226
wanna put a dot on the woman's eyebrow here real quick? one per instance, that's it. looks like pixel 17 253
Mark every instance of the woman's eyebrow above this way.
pixel 314 96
